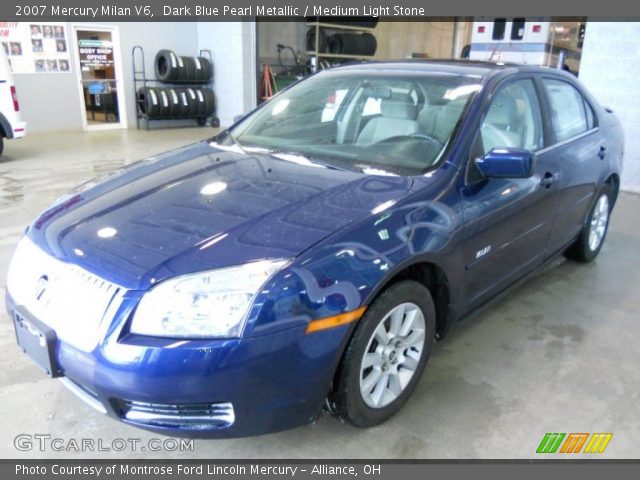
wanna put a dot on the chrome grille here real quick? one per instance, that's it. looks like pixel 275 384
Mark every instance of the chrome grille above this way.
pixel 65 297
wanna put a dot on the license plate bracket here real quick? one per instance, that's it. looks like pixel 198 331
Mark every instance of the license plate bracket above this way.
pixel 37 340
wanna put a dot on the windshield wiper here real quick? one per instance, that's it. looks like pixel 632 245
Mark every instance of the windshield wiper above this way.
pixel 306 158
pixel 227 134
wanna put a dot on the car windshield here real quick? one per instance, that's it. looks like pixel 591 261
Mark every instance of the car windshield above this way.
pixel 369 121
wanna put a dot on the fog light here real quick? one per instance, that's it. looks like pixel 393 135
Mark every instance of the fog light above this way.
pixel 201 416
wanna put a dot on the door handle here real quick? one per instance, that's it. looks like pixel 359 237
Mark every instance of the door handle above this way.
pixel 601 152
pixel 547 180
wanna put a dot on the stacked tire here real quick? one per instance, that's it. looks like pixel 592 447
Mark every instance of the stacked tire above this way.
pixel 343 43
pixel 176 102
pixel 187 92
pixel 352 44
pixel 173 68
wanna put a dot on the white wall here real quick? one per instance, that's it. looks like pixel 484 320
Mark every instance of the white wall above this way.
pixel 610 69
pixel 52 101
pixel 232 45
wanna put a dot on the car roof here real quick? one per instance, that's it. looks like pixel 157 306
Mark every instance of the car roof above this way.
pixel 457 67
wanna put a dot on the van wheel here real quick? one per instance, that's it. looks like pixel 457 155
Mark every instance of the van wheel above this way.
pixel 386 355
pixel 591 239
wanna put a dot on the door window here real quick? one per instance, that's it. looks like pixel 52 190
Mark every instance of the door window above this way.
pixel 571 115
pixel 98 76
pixel 513 118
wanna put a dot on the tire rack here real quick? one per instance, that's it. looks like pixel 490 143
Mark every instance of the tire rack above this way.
pixel 140 79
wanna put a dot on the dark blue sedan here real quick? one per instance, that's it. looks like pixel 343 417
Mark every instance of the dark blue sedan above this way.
pixel 310 255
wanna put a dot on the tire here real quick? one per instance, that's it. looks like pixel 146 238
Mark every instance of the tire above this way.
pixel 209 102
pixel 595 229
pixel 1 145
pixel 167 66
pixel 353 400
pixel 334 44
pixel 185 105
pixel 189 70
pixel 311 40
pixel 175 105
pixel 148 101
pixel 205 72
pixel 164 101
pixel 192 100
pixel 200 102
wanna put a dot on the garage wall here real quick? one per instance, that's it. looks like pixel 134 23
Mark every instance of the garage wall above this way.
pixel 610 68
pixel 52 102
pixel 232 46
pixel 398 40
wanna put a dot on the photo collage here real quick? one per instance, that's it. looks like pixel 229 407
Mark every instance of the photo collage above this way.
pixel 37 48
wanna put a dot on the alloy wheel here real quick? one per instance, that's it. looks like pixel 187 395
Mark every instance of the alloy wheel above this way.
pixel 392 355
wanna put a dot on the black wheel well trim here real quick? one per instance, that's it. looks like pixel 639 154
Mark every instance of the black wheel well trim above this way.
pixel 5 127
pixel 613 181
pixel 428 273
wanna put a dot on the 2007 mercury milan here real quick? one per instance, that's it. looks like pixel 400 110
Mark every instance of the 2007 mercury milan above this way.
pixel 310 254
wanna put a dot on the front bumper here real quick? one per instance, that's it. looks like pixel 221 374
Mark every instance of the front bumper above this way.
pixel 246 386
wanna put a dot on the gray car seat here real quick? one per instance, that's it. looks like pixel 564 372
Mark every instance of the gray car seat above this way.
pixel 398 118
pixel 501 126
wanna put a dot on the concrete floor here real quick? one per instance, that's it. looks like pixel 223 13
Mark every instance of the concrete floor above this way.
pixel 560 354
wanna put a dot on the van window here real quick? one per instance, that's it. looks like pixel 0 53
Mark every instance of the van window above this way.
pixel 499 26
pixel 517 29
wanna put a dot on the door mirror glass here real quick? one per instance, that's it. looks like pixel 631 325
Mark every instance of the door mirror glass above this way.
pixel 506 163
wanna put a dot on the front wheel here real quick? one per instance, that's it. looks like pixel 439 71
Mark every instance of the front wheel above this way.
pixel 386 355
pixel 594 231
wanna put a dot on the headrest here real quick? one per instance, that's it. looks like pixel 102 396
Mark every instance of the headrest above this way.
pixel 503 111
pixel 398 106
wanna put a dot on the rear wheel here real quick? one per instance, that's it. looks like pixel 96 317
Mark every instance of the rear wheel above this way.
pixel 1 145
pixel 594 231
pixel 386 355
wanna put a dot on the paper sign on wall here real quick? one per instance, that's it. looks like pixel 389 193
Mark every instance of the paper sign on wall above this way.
pixel 36 47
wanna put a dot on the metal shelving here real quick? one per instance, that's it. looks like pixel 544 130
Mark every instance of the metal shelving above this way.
pixel 140 79
pixel 334 27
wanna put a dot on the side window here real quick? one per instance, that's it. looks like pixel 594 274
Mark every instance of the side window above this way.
pixel 499 26
pixel 570 114
pixel 513 118
pixel 517 29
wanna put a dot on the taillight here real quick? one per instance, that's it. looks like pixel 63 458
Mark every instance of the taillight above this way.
pixel 14 97
pixel 537 28
pixel 481 29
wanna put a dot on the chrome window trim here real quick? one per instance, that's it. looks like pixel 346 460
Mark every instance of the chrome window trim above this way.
pixel 567 141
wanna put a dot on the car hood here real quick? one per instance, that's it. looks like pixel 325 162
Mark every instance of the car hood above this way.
pixel 201 207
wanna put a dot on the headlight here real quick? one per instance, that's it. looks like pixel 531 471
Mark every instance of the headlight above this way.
pixel 205 304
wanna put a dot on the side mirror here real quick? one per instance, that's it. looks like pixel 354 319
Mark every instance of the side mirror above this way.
pixel 506 163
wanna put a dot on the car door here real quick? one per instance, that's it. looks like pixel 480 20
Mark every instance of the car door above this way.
pixel 579 148
pixel 507 220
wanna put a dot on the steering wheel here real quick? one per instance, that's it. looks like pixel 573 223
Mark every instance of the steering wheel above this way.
pixel 427 137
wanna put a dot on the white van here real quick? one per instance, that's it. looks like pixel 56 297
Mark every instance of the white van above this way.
pixel 11 125
pixel 528 41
